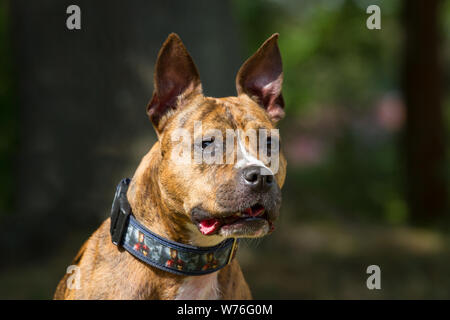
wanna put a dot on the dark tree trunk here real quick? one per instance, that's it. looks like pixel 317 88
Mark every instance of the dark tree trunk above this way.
pixel 422 89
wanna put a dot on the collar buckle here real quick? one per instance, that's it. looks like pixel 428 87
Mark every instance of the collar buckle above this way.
pixel 120 212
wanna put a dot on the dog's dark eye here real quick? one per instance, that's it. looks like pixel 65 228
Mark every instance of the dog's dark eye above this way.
pixel 207 142
pixel 269 146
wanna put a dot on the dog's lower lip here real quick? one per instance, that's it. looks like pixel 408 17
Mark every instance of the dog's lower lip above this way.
pixel 248 227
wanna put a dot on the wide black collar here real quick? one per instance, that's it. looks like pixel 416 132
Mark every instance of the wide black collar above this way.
pixel 163 253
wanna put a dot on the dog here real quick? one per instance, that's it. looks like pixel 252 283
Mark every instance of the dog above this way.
pixel 177 223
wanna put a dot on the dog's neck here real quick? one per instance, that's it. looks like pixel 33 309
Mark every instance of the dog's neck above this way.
pixel 144 196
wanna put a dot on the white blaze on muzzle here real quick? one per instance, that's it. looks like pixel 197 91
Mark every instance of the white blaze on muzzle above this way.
pixel 245 159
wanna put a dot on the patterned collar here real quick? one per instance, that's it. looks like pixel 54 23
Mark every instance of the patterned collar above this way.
pixel 162 253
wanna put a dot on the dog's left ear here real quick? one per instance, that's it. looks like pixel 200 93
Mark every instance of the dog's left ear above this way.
pixel 261 77
pixel 176 79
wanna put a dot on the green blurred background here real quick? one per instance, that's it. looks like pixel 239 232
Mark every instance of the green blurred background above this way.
pixel 366 135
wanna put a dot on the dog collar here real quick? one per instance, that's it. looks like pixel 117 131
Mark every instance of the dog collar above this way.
pixel 163 253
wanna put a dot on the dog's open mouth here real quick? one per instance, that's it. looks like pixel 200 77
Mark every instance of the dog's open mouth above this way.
pixel 251 221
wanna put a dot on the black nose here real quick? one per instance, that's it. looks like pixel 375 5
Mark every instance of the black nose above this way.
pixel 258 178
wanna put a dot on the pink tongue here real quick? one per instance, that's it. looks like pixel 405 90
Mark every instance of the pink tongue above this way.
pixel 209 226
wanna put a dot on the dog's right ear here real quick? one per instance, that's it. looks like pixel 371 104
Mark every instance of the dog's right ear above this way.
pixel 176 79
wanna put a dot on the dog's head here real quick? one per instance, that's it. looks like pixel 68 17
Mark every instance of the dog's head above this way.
pixel 221 164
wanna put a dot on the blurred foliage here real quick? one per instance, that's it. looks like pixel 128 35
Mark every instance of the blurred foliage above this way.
pixel 8 115
pixel 329 56
pixel 355 182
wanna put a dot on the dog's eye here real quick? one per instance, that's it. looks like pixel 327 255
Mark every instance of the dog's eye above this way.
pixel 206 142
pixel 269 146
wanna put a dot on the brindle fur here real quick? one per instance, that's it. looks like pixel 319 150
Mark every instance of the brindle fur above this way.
pixel 162 194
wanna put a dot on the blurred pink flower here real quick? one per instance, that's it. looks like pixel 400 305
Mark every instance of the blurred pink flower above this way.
pixel 304 150
pixel 390 112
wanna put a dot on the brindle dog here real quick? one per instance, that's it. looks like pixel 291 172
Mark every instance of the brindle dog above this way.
pixel 172 199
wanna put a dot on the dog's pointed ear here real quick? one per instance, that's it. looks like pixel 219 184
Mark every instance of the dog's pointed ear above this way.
pixel 176 79
pixel 261 77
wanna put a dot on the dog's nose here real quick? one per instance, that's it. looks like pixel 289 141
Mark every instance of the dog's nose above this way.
pixel 258 178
